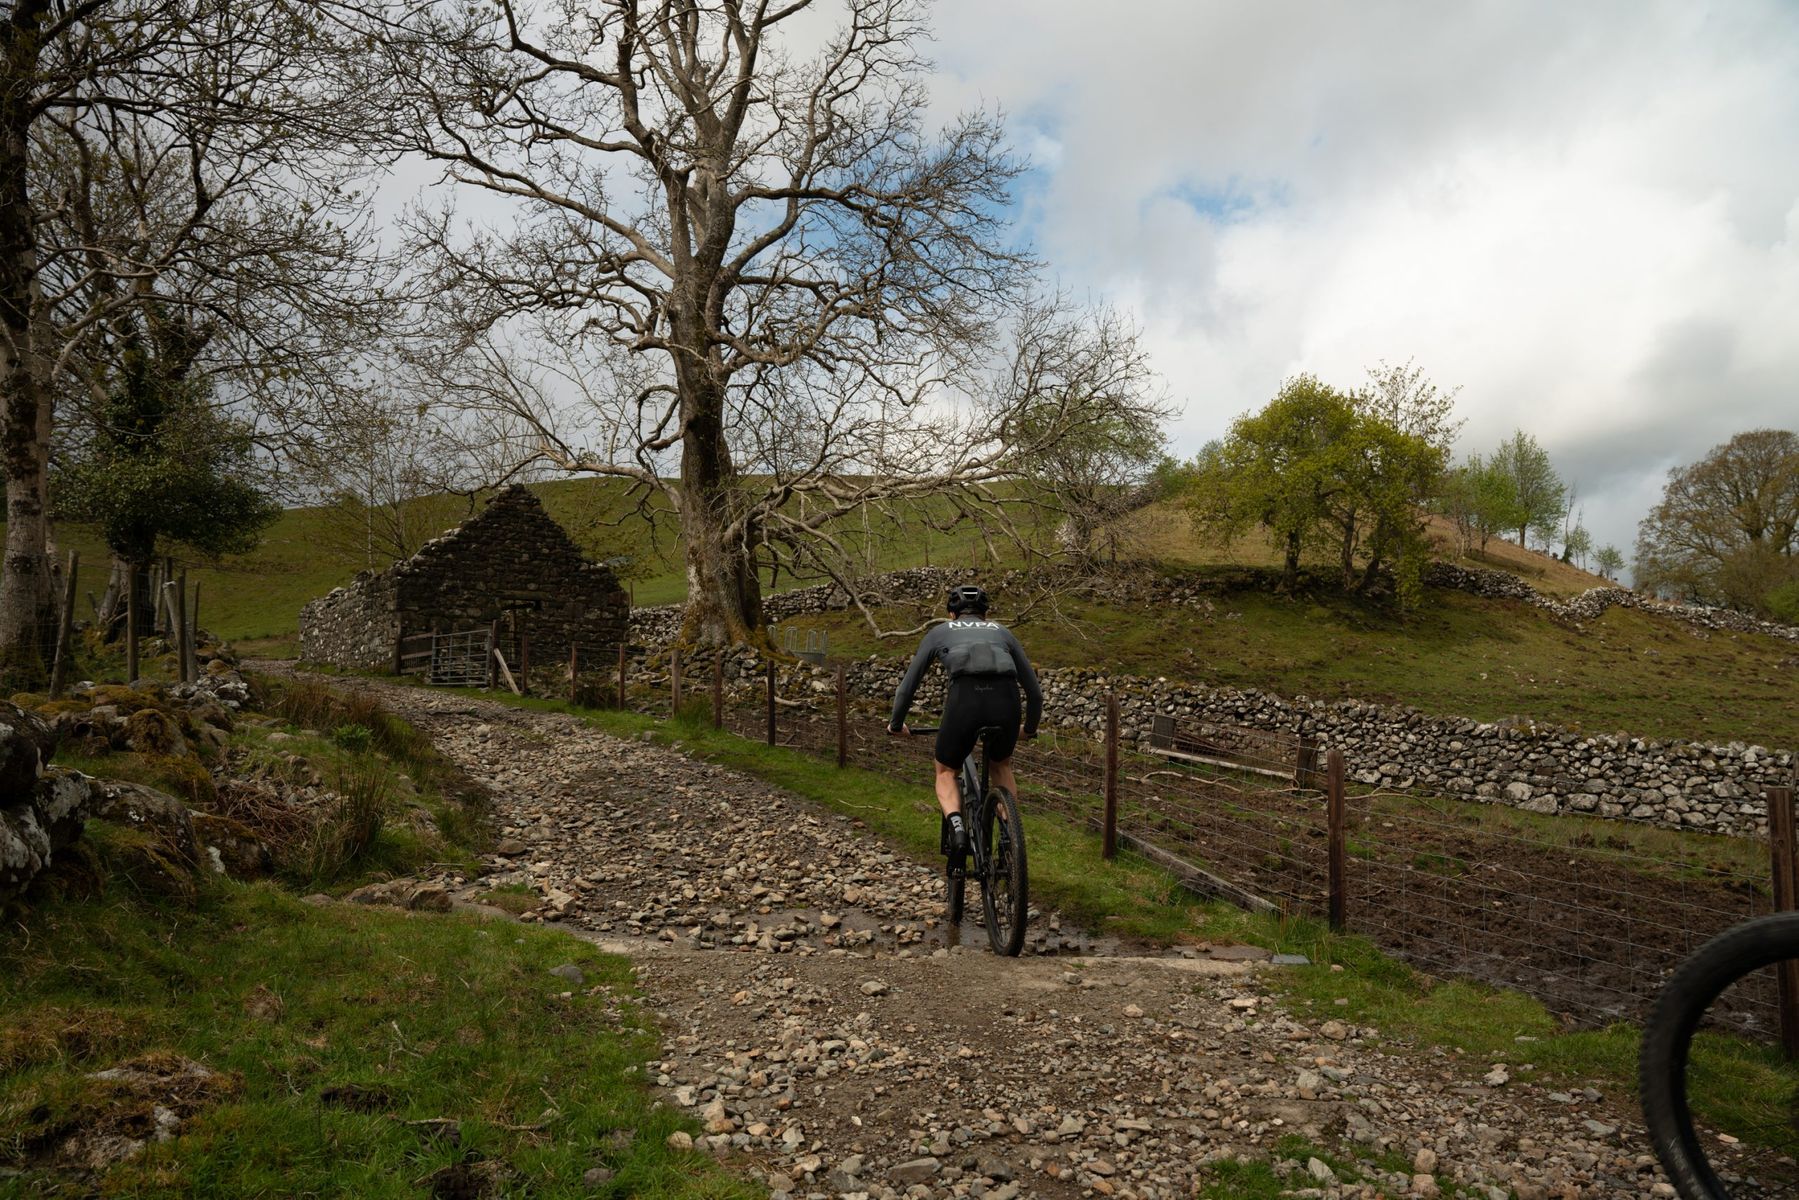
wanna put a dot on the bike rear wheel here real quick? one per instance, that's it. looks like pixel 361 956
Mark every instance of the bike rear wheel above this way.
pixel 1004 888
pixel 1665 1066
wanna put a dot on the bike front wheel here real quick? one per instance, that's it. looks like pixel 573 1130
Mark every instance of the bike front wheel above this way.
pixel 1005 899
pixel 1672 1074
pixel 955 884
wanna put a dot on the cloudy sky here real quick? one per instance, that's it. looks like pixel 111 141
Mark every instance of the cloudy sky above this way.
pixel 1587 216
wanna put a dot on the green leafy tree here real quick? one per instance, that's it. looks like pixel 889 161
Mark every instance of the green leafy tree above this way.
pixel 1539 498
pixel 1279 469
pixel 1610 561
pixel 1577 544
pixel 1727 528
pixel 1317 466
pixel 162 464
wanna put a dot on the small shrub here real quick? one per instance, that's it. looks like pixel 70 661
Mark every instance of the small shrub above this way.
pixel 341 838
pixel 355 738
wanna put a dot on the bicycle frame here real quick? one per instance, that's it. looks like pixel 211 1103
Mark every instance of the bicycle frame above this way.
pixel 972 778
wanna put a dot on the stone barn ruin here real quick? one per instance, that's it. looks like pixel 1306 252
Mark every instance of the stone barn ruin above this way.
pixel 511 563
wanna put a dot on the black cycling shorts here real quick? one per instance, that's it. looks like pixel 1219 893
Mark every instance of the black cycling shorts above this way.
pixel 974 702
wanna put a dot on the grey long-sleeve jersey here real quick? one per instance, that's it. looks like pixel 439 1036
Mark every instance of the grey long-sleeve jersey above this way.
pixel 972 646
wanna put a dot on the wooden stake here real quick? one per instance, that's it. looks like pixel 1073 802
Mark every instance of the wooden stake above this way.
pixel 524 660
pixel 1109 830
pixel 1336 814
pixel 505 674
pixel 771 703
pixel 1785 862
pixel 621 676
pixel 493 651
pixel 718 692
pixel 59 669
pixel 181 638
pixel 193 637
pixel 674 681
pixel 843 720
pixel 130 624
pixel 1305 764
pixel 574 672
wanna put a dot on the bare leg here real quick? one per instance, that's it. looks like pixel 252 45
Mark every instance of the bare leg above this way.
pixel 949 789
pixel 999 774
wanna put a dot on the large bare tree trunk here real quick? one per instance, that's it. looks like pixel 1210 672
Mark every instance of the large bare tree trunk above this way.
pixel 25 593
pixel 724 598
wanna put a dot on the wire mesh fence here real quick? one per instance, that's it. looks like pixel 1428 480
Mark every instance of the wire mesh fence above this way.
pixel 1588 914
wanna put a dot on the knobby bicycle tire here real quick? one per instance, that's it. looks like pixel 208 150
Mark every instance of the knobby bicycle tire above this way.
pixel 955 888
pixel 1005 888
pixel 1668 1038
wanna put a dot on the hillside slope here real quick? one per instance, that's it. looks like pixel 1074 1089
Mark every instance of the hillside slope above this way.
pixel 1628 670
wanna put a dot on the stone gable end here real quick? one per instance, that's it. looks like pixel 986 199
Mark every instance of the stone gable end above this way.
pixel 511 562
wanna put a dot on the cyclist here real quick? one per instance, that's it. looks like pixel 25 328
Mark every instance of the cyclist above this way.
pixel 986 667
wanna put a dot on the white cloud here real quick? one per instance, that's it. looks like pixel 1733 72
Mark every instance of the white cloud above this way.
pixel 1587 216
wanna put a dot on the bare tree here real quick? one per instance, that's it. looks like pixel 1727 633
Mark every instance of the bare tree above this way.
pixel 386 474
pixel 1089 428
pixel 180 175
pixel 754 258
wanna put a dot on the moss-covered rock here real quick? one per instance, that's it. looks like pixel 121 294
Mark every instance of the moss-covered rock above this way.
pixel 232 847
pixel 26 744
pixel 157 815
pixel 153 731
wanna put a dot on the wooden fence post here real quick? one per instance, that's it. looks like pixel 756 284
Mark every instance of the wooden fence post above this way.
pixel 1335 817
pixel 181 635
pixel 718 692
pixel 1109 831
pixel 524 662
pixel 130 625
pixel 843 719
pixel 1305 765
pixel 493 651
pixel 771 702
pixel 193 637
pixel 1785 862
pixel 65 624
pixel 674 682
pixel 621 677
pixel 574 671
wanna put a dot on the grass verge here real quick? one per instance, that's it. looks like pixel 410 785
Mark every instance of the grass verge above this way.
pixel 355 1052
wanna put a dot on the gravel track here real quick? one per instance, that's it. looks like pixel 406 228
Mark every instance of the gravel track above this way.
pixel 834 1039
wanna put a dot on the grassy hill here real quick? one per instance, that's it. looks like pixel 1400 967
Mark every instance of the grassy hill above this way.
pixel 255 599
pixel 1628 671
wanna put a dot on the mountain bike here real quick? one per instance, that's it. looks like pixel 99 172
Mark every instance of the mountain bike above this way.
pixel 996 848
pixel 1672 1070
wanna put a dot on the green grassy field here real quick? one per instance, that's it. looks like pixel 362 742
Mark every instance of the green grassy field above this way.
pixel 254 599
pixel 1629 671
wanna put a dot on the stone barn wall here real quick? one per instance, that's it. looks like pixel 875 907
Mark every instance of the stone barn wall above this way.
pixel 510 562
pixel 353 627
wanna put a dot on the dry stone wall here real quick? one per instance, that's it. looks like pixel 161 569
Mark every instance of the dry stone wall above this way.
pixel 510 562
pixel 1534 766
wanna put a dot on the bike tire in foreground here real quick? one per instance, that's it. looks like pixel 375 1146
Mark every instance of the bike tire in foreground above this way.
pixel 1665 1058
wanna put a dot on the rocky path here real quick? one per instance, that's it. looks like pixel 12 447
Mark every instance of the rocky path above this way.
pixel 836 1041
